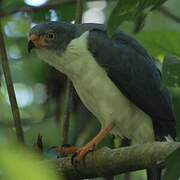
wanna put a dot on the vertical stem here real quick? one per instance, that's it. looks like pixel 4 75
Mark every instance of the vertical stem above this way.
pixel 39 144
pixel 10 88
pixel 68 109
pixel 68 95
pixel 79 11
pixel 57 108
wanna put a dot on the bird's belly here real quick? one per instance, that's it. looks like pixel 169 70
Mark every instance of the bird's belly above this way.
pixel 100 95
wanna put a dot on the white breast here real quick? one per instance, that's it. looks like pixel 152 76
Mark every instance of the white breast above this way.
pixel 98 93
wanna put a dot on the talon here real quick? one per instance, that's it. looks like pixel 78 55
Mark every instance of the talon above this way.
pixel 73 162
pixel 93 147
pixel 74 159
pixel 82 152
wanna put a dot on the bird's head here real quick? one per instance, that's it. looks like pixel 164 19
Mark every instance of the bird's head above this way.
pixel 51 36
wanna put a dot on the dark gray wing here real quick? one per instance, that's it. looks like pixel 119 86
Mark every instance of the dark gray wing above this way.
pixel 133 71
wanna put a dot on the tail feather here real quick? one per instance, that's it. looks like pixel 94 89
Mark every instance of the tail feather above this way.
pixel 169 139
pixel 153 173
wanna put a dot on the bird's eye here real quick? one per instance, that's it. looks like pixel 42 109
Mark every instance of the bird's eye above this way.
pixel 50 36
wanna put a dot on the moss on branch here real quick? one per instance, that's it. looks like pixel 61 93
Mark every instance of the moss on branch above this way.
pixel 105 161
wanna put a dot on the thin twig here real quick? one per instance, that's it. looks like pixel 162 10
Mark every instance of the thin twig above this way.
pixel 57 108
pixel 30 9
pixel 68 110
pixel 10 88
pixel 39 144
pixel 169 14
pixel 79 11
pixel 69 89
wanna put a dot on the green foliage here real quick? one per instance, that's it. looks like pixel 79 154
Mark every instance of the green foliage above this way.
pixel 171 71
pixel 129 10
pixel 66 12
pixel 9 5
pixel 139 22
pixel 160 42
pixel 158 34
pixel 172 164
pixel 16 163
pixel 171 79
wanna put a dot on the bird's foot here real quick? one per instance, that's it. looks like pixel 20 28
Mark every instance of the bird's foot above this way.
pixel 82 152
pixel 78 153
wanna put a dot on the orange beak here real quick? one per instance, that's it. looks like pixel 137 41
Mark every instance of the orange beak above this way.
pixel 34 38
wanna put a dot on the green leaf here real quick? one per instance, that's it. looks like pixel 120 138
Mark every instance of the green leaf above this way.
pixel 139 22
pixel 66 12
pixel 171 71
pixel 173 164
pixel 171 79
pixel 39 16
pixel 129 10
pixel 160 42
pixel 16 163
pixel 9 5
pixel 176 104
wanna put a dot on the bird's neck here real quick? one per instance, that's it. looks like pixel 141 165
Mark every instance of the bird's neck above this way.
pixel 70 62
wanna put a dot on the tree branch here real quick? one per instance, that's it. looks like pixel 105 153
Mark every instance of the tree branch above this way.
pixel 10 88
pixel 68 110
pixel 169 14
pixel 105 161
pixel 79 11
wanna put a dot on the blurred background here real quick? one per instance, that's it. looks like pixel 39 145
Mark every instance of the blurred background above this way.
pixel 40 89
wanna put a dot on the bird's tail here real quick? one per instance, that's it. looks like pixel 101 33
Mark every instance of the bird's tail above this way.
pixel 153 173
pixel 169 139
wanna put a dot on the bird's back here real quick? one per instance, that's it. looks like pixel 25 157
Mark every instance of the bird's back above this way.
pixel 133 71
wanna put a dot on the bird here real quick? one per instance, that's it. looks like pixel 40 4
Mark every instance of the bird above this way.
pixel 115 78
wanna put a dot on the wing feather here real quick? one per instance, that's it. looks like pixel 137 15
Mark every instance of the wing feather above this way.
pixel 133 71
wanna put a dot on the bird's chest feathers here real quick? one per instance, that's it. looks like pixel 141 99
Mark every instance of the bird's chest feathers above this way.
pixel 95 88
pixel 91 81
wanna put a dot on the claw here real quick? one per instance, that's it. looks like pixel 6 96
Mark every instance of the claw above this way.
pixel 77 153
pixel 73 161
pixel 81 153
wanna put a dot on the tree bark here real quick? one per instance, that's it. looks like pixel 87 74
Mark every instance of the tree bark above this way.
pixel 105 161
pixel 10 88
